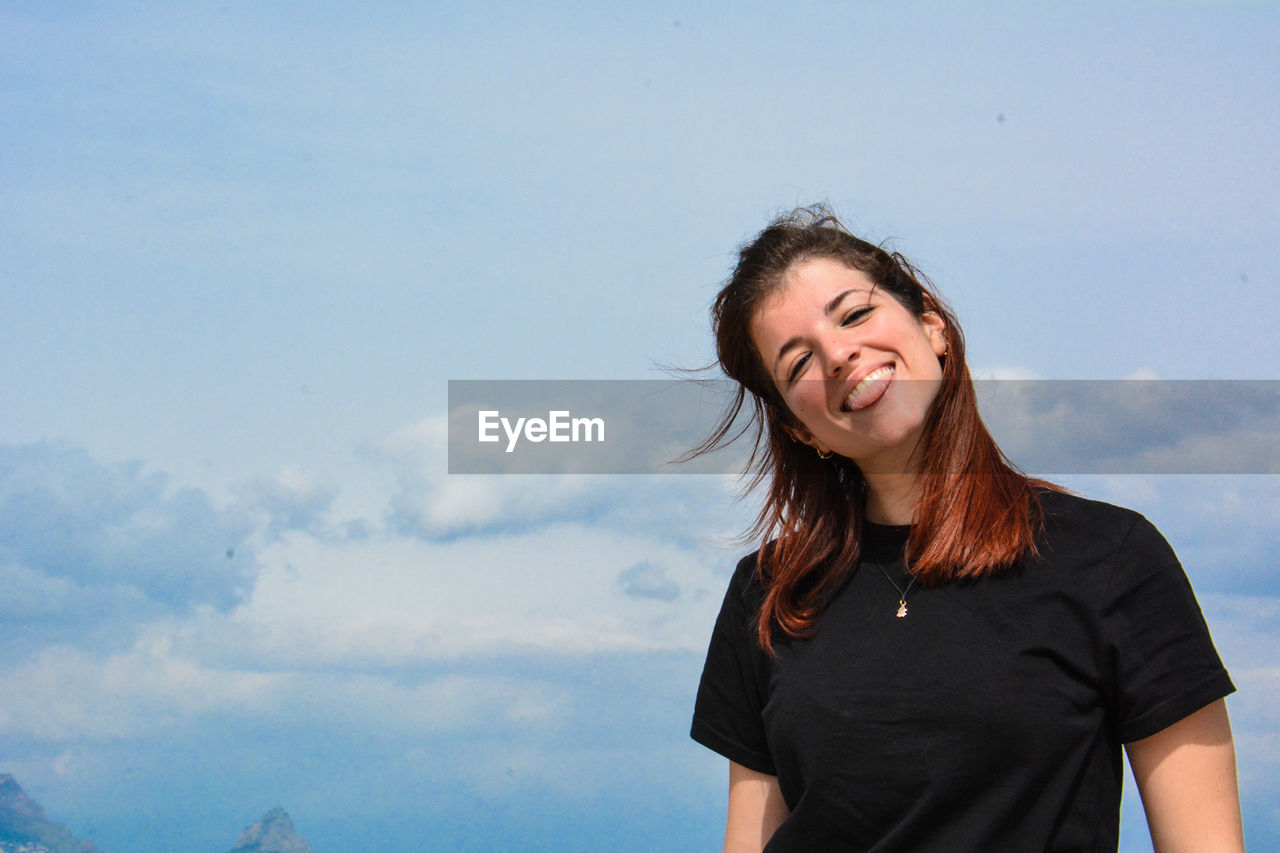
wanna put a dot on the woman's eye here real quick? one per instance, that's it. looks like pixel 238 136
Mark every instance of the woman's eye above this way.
pixel 797 367
pixel 856 315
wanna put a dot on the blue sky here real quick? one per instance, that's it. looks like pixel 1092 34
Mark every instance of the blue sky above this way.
pixel 244 246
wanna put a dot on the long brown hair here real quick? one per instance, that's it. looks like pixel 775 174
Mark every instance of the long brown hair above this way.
pixel 977 513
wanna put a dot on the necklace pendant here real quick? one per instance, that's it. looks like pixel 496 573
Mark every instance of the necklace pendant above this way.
pixel 902 609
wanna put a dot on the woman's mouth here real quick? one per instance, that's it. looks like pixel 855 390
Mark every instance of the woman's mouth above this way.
pixel 870 389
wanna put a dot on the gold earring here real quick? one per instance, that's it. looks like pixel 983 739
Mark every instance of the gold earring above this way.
pixel 822 455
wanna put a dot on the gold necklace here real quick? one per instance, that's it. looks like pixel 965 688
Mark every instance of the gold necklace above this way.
pixel 902 593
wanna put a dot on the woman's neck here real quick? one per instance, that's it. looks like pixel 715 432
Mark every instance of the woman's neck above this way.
pixel 892 498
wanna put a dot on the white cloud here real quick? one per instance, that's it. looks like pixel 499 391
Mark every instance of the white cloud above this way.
pixel 1008 371
pixel 386 630
pixel 431 502
pixel 68 695
pixel 382 629
pixel 64 693
pixel 112 528
pixel 403 602
pixel 33 596
pixel 1124 426
pixel 289 499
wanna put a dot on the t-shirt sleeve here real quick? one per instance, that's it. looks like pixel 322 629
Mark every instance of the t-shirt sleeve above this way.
pixel 727 715
pixel 1165 663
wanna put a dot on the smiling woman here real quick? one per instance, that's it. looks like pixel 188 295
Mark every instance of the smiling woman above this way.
pixel 930 650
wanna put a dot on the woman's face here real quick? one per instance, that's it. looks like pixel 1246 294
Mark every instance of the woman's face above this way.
pixel 857 369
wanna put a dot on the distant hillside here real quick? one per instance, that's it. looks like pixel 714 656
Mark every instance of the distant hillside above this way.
pixel 25 829
pixel 272 833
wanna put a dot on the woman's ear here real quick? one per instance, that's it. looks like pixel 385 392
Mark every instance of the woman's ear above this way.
pixel 936 328
pixel 803 436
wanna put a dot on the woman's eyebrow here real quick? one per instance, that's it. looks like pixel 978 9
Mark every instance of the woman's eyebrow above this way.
pixel 796 340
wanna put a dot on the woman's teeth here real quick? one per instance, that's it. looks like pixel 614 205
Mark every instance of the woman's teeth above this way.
pixel 869 389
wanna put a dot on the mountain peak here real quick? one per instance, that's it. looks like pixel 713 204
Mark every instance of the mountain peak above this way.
pixel 272 833
pixel 23 825
pixel 14 801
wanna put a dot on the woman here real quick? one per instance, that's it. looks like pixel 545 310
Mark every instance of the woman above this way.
pixel 933 651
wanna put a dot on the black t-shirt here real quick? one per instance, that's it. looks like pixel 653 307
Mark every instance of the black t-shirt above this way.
pixel 990 717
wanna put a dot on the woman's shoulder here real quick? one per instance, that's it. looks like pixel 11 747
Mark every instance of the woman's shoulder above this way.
pixel 1087 525
pixel 742 599
pixel 1067 508
pixel 748 575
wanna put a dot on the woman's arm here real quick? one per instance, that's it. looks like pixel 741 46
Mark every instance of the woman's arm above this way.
pixel 1186 775
pixel 756 810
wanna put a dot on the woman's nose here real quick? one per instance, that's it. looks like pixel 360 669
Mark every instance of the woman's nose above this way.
pixel 837 354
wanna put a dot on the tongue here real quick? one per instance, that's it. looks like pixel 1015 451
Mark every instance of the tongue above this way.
pixel 872 392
